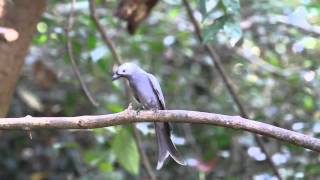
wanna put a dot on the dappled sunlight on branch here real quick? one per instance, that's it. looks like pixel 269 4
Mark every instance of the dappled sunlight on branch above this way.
pixel 9 34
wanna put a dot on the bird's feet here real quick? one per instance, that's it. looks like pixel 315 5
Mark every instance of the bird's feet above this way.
pixel 130 107
pixel 135 107
pixel 154 110
pixel 139 108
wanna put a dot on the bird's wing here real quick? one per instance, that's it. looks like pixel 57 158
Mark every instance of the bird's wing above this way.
pixel 156 87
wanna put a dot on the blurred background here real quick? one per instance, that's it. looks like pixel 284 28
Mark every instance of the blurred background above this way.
pixel 270 50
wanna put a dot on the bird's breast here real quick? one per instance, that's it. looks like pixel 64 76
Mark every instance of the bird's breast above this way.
pixel 144 93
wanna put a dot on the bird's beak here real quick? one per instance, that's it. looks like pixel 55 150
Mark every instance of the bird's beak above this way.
pixel 115 76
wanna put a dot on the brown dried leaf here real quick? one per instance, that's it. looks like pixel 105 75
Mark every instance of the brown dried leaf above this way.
pixel 134 12
pixel 44 76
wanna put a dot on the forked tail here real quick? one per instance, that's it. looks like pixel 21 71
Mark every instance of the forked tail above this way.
pixel 165 145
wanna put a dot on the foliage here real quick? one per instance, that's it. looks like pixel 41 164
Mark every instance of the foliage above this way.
pixel 269 49
pixel 126 151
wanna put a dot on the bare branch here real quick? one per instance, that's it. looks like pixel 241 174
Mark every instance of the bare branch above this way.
pixel 117 58
pixel 226 80
pixel 254 59
pixel 103 33
pixel 276 19
pixel 315 30
pixel 75 68
pixel 178 116
pixel 191 140
pixel 144 157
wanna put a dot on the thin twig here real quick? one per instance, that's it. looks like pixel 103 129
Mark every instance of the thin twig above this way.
pixel 105 37
pixel 276 19
pixel 117 58
pixel 107 41
pixel 177 116
pixel 254 59
pixel 217 62
pixel 75 68
pixel 190 138
pixel 308 28
pixel 144 157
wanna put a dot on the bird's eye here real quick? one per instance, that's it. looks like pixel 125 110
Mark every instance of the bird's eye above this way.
pixel 123 70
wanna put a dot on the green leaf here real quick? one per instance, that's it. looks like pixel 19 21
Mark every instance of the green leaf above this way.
pixel 91 41
pixel 42 27
pixel 40 39
pixel 77 46
pixel 211 30
pixel 308 102
pixel 173 13
pixel 233 30
pixel 273 59
pixel 232 6
pixel 91 157
pixel 313 6
pixel 312 169
pixel 105 167
pixel 207 8
pixel 224 137
pixel 103 65
pixel 113 107
pixel 202 7
pixel 126 151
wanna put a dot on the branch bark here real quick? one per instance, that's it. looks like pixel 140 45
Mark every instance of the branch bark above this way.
pixel 178 116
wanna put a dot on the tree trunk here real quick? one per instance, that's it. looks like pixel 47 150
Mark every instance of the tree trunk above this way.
pixel 21 15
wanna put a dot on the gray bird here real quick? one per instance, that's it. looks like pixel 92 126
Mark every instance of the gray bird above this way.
pixel 147 91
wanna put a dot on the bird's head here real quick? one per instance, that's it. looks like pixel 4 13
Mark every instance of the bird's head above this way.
pixel 125 70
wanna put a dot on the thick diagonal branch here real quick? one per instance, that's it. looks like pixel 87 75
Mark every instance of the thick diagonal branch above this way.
pixel 218 65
